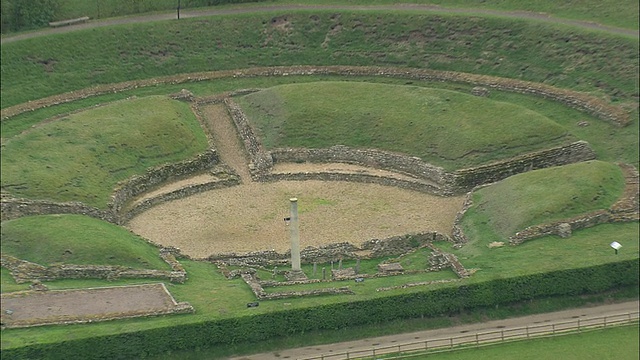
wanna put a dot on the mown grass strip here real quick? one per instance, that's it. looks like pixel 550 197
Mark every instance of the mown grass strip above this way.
pixel 611 343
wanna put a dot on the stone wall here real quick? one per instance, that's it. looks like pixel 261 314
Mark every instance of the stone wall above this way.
pixel 429 178
pixel 25 271
pixel 372 158
pixel 173 308
pixel 374 248
pixel 177 194
pixel 583 102
pixel 457 234
pixel 467 179
pixel 359 178
pixel 152 178
pixel 11 208
pixel 261 161
pixel 117 211
pixel 625 209
pixel 254 283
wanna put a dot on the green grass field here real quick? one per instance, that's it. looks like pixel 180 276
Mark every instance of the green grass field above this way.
pixel 79 240
pixel 82 156
pixel 619 343
pixel 543 196
pixel 445 128
pixel 586 61
pixel 614 13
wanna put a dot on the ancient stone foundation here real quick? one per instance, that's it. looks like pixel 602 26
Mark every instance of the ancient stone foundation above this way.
pixel 24 271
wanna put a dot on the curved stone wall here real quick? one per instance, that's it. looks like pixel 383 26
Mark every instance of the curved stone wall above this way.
pixel 625 209
pixel 583 102
pixel 428 177
pixel 139 184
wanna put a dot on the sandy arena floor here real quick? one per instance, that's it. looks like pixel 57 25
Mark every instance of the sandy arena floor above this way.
pixel 251 217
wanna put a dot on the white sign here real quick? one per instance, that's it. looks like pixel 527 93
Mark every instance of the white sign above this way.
pixel 616 245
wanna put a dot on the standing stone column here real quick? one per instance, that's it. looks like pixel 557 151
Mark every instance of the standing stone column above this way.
pixel 295 236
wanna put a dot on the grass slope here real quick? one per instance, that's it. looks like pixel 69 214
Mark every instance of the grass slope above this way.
pixel 609 142
pixel 81 157
pixel 79 240
pixel 586 61
pixel 446 128
pixel 542 196
pixel 615 13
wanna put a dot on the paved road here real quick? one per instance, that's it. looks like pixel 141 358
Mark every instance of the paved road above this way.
pixel 406 7
pixel 394 340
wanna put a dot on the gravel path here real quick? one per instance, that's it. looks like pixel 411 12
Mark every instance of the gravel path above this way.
pixel 330 351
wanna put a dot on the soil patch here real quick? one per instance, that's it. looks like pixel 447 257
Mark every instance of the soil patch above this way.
pixel 34 308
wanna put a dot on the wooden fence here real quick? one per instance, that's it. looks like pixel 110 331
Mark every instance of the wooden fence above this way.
pixel 485 338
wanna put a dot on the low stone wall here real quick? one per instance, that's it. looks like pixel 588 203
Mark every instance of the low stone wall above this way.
pixel 65 301
pixel 254 283
pixel 457 234
pixel 139 184
pixel 467 179
pixel 372 158
pixel 359 178
pixel 624 209
pixel 177 194
pixel 439 181
pixel 117 211
pixel 11 208
pixel 25 271
pixel 374 248
pixel 583 102
pixel 429 178
pixel 261 161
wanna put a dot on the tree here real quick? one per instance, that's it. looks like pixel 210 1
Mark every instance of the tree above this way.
pixel 19 15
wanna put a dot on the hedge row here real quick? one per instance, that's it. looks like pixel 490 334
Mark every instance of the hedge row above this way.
pixel 254 328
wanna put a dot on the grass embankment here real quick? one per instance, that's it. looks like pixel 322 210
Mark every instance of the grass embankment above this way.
pixel 617 343
pixel 614 13
pixel 609 142
pixel 542 196
pixel 445 128
pixel 79 240
pixel 84 155
pixel 585 61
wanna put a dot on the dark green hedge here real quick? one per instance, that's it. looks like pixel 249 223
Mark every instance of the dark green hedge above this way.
pixel 428 303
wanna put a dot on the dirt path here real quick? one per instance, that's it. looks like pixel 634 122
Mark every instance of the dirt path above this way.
pixel 411 7
pixel 227 142
pixel 330 351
